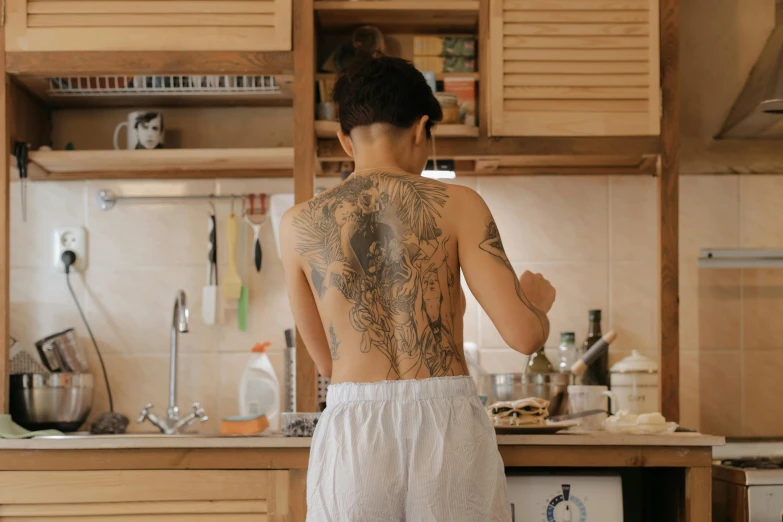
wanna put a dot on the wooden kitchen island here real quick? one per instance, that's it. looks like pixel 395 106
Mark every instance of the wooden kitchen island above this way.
pixel 160 478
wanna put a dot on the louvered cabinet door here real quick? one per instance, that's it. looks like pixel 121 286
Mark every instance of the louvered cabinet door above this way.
pixel 148 25
pixel 574 68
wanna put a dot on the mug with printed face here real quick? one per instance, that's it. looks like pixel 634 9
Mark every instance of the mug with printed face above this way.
pixel 145 130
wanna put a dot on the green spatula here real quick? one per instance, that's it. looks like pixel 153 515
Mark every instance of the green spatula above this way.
pixel 244 297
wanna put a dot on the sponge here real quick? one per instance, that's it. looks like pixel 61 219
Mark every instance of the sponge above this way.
pixel 239 425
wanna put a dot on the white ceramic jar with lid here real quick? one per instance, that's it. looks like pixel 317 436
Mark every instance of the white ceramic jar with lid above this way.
pixel 635 382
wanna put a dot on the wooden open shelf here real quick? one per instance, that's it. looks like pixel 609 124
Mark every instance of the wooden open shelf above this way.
pixel 400 16
pixel 328 129
pixel 161 163
pixel 39 87
pixel 438 76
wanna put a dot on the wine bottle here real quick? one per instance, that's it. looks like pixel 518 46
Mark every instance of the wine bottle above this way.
pixel 538 363
pixel 598 372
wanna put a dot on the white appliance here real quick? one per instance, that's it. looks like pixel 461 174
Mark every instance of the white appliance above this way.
pixel 747 482
pixel 573 497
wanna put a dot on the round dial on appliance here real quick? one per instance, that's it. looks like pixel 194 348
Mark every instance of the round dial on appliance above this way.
pixel 566 507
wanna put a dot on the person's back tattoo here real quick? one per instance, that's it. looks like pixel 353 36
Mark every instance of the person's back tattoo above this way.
pixel 375 240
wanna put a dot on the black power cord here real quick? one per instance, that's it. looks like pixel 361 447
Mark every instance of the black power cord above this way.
pixel 69 258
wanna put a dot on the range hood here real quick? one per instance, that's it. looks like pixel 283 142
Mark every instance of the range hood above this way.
pixel 758 111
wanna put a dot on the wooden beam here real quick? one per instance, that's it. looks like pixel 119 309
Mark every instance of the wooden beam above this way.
pixel 297 495
pixel 604 456
pixel 28 118
pixel 158 62
pixel 698 494
pixel 170 458
pixel 38 174
pixel 529 146
pixel 304 167
pixel 483 67
pixel 668 212
pixel 5 232
pixel 561 171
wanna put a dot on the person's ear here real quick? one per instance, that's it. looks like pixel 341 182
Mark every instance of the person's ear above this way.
pixel 346 143
pixel 420 137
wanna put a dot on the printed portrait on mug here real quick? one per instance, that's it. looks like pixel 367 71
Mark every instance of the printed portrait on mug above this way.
pixel 149 130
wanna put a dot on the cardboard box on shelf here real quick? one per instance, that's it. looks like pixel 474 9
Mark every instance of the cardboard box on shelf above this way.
pixel 433 45
pixel 465 91
pixel 450 64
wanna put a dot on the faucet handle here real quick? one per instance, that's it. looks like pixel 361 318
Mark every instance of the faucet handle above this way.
pixel 145 413
pixel 199 412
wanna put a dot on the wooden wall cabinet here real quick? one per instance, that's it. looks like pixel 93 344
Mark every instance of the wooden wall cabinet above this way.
pixel 149 495
pixel 574 68
pixel 159 25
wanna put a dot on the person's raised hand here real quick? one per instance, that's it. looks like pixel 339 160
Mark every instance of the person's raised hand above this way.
pixel 538 290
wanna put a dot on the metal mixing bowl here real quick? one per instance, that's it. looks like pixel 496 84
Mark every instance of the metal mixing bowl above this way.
pixel 513 386
pixel 58 401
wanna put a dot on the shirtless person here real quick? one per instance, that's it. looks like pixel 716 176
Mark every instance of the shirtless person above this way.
pixel 372 268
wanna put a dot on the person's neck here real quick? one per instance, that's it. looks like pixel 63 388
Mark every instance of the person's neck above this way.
pixel 380 154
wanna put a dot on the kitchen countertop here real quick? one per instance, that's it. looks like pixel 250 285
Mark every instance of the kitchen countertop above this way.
pixel 205 441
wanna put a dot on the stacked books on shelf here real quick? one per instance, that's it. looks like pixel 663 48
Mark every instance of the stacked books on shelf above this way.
pixel 450 54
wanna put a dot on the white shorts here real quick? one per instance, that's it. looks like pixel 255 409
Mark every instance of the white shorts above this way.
pixel 412 450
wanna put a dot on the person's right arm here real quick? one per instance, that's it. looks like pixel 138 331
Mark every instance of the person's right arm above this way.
pixel 517 307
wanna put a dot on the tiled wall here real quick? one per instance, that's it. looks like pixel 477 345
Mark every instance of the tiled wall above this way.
pixel 139 256
pixel 731 320
pixel 594 237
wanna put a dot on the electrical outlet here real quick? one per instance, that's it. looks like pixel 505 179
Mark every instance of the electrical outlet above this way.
pixel 75 240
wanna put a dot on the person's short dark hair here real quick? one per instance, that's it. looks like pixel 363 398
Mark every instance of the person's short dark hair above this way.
pixel 382 89
pixel 148 117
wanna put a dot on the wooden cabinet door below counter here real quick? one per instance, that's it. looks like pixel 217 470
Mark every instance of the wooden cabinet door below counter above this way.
pixel 148 25
pixel 148 495
pixel 574 68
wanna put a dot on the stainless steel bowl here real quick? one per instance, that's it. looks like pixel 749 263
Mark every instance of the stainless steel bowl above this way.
pixel 58 401
pixel 513 386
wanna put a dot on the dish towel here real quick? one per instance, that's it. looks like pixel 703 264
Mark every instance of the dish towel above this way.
pixel 11 430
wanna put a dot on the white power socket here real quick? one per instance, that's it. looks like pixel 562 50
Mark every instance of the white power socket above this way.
pixel 75 240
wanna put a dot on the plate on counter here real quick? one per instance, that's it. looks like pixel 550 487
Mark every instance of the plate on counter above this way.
pixel 539 429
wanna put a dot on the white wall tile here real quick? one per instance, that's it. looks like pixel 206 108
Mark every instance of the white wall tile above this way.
pixel 131 309
pixel 49 206
pixel 150 234
pixel 709 214
pixel 41 304
pixel 634 218
pixel 761 216
pixel 558 218
pixel 502 360
pixel 580 287
pixel 634 307
pixel 138 379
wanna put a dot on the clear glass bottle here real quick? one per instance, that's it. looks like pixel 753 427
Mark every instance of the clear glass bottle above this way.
pixel 566 351
pixel 538 363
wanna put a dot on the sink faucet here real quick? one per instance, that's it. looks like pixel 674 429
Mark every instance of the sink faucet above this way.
pixel 172 424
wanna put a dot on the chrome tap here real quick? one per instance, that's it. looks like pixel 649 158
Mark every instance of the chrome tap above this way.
pixel 172 424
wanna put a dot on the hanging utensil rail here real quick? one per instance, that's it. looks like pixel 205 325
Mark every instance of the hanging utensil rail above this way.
pixel 106 199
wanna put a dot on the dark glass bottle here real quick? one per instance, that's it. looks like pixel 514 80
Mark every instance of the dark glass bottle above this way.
pixel 539 363
pixel 598 372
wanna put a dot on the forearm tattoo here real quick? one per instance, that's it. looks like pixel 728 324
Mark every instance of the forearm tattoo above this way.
pixel 334 343
pixel 492 244
pixel 375 241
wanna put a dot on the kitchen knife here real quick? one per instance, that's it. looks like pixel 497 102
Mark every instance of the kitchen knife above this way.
pixel 572 416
